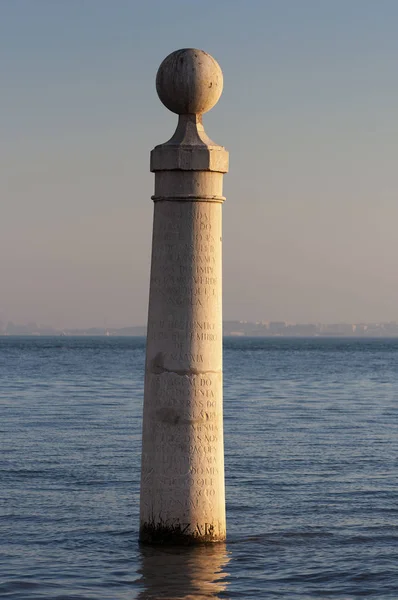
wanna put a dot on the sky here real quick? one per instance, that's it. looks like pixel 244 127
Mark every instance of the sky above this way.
pixel 309 114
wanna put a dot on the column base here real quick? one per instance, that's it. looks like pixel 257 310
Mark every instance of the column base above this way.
pixel 179 534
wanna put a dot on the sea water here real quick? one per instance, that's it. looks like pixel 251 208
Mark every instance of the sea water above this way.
pixel 311 458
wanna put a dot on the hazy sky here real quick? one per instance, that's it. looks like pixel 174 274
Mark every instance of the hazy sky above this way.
pixel 309 114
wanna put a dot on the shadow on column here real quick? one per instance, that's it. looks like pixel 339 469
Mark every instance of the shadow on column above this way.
pixel 185 572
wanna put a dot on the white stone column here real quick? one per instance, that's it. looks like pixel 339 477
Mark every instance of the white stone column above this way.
pixel 182 478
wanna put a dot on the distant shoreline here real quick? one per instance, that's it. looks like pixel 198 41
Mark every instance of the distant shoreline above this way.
pixel 265 329
pixel 225 336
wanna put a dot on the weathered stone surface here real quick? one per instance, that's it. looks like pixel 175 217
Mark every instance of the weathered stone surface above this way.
pixel 190 149
pixel 189 81
pixel 187 158
pixel 182 480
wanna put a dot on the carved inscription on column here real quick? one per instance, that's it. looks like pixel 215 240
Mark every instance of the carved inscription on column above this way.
pixel 186 276
pixel 186 260
pixel 184 431
pixel 183 463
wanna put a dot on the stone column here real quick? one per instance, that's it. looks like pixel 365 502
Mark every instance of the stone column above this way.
pixel 182 478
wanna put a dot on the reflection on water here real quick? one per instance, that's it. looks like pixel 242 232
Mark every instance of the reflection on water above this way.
pixel 183 572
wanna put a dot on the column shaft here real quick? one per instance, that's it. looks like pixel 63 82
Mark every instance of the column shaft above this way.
pixel 183 457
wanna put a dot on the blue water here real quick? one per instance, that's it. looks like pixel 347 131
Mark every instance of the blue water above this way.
pixel 311 472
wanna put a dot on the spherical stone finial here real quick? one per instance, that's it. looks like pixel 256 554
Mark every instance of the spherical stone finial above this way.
pixel 189 82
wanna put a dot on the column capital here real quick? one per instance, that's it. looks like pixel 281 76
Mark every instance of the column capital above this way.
pixel 190 149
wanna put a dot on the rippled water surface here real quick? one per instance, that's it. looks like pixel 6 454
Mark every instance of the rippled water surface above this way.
pixel 311 471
